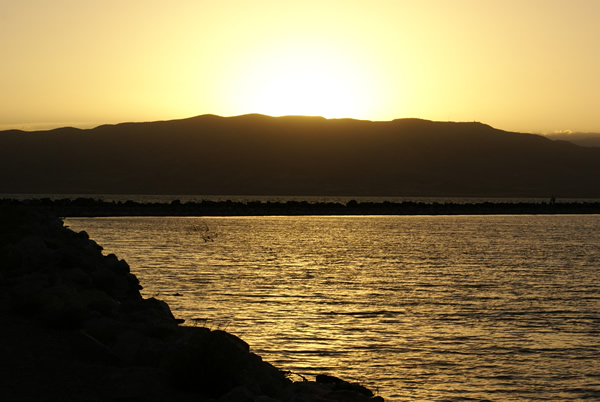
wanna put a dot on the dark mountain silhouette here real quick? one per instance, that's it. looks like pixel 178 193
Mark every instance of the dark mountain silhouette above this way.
pixel 295 155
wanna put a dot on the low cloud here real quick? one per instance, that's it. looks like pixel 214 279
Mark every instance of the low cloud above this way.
pixel 558 132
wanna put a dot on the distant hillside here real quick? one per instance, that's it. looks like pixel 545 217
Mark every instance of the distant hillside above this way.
pixel 261 155
pixel 583 139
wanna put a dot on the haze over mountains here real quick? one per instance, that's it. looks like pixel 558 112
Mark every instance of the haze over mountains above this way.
pixel 296 155
pixel 583 139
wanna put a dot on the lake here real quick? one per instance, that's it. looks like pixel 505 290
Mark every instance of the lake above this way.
pixel 413 307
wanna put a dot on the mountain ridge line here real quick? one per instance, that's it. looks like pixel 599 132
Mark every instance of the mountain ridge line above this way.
pixel 296 155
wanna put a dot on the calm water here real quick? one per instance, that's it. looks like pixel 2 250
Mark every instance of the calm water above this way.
pixel 416 308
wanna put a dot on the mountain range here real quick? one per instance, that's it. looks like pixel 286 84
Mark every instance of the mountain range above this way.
pixel 296 155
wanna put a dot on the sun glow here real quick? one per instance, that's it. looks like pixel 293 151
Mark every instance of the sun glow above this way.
pixel 373 60
pixel 306 80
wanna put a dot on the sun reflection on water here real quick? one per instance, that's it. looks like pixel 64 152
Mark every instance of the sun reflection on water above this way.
pixel 418 307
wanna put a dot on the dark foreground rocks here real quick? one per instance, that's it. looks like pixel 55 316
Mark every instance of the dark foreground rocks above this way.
pixel 74 326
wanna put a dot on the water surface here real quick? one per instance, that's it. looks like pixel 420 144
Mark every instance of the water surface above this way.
pixel 414 307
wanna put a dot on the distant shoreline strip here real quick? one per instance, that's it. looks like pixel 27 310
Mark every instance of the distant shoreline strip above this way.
pixel 89 207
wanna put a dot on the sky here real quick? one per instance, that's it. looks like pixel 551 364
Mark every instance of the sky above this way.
pixel 517 65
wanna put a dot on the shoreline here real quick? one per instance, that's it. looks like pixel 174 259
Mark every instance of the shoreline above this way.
pixel 76 327
pixel 91 207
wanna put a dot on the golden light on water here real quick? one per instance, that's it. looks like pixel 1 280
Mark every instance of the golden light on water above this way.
pixel 424 307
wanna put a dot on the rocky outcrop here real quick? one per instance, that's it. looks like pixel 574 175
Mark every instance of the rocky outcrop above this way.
pixel 53 278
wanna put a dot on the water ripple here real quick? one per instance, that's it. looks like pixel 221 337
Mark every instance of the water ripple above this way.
pixel 420 308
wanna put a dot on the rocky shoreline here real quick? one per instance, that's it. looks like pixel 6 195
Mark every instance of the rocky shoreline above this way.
pixel 75 327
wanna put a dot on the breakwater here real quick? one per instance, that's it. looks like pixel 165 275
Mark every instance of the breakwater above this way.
pixel 98 207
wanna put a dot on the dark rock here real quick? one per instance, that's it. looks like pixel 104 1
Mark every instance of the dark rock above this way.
pixel 341 385
pixel 306 391
pixel 238 394
pixel 134 383
pixel 60 279
pixel 106 329
pixel 347 395
pixel 111 261
pixel 63 310
pixel 328 379
pixel 78 277
pixel 128 346
pixel 24 296
pixel 98 301
pixel 265 398
pixel 91 348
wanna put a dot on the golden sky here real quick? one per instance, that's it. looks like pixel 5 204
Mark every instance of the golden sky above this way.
pixel 518 65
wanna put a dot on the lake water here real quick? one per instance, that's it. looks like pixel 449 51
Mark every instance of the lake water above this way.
pixel 413 307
